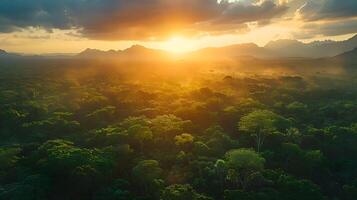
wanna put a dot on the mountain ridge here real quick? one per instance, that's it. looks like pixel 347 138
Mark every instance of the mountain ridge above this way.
pixel 315 49
pixel 285 48
pixel 349 57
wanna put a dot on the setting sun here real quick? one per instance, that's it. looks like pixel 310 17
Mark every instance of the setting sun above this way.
pixel 178 44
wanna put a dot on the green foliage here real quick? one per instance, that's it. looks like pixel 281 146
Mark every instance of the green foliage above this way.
pixel 242 165
pixel 9 156
pixel 260 123
pixel 181 192
pixel 61 157
pixel 58 124
pixel 88 133
pixel 32 187
pixel 147 173
pixel 184 139
pixel 298 189
pixel 244 159
pixel 168 125
pixel 117 191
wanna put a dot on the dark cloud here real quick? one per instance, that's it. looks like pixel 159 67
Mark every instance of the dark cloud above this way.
pixel 137 19
pixel 315 10
pixel 328 18
pixel 328 29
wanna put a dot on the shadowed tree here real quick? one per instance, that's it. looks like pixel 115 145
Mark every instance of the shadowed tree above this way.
pixel 221 171
pixel 147 173
pixel 140 133
pixel 181 192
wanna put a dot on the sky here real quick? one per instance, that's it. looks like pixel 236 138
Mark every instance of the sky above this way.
pixel 70 26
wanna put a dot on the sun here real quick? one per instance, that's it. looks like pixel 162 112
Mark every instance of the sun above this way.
pixel 178 44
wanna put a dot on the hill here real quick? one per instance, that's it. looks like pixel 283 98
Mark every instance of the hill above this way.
pixel 5 55
pixel 348 59
pixel 135 52
pixel 316 49
pixel 232 51
pixel 274 49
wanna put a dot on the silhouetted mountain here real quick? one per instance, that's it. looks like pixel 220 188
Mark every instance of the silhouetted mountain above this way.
pixel 138 49
pixel 141 51
pixel 97 53
pixel 277 49
pixel 294 48
pixel 349 57
pixel 5 55
pixel 2 52
pixel 135 52
pixel 238 50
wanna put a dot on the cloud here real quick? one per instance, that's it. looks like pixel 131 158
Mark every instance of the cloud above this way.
pixel 328 29
pixel 327 18
pixel 138 19
pixel 314 10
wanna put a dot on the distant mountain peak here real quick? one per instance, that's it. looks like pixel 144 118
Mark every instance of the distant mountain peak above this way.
pixel 3 51
pixel 136 48
pixel 353 38
pixel 245 45
pixel 349 54
pixel 283 43
pixel 89 50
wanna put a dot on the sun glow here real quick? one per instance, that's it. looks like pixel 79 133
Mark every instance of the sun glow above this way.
pixel 178 45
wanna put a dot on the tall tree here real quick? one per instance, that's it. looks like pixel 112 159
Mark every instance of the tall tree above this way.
pixel 261 123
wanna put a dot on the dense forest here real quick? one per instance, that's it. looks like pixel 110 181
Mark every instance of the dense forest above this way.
pixel 70 132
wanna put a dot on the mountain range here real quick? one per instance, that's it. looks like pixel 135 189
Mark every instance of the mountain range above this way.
pixel 7 55
pixel 134 52
pixel 317 49
pixel 274 49
pixel 349 57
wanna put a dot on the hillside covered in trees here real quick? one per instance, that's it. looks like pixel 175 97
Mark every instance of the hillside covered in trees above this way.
pixel 108 134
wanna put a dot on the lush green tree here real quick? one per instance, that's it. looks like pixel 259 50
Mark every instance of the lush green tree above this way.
pixel 140 133
pixel 181 192
pixel 60 123
pixel 147 173
pixel 30 188
pixel 242 163
pixel 9 156
pixel 201 149
pixel 218 141
pixel 101 117
pixel 168 125
pixel 184 140
pixel 261 123
pixel 293 189
pixel 221 171
pixel 117 191
pixel 68 164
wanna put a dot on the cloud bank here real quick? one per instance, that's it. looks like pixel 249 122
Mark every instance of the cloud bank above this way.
pixel 327 18
pixel 314 10
pixel 137 19
pixel 159 19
